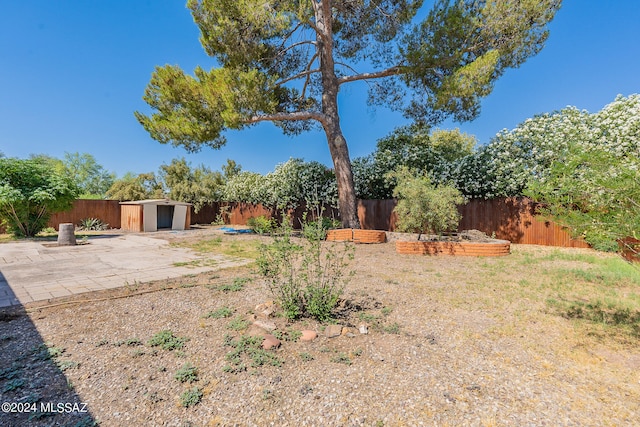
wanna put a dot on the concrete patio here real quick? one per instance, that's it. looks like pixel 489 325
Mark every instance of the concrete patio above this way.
pixel 36 271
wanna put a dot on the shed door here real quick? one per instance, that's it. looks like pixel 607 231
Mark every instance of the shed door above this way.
pixel 179 217
pixel 150 216
pixel 165 216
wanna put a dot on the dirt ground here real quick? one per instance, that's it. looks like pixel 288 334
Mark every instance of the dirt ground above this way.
pixel 451 341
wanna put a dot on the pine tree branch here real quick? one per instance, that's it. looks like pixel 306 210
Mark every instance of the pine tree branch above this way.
pixel 393 71
pixel 294 116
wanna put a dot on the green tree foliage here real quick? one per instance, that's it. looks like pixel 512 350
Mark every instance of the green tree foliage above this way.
pixel 199 186
pixel 231 168
pixel 30 191
pixel 286 61
pixel 424 152
pixel 424 207
pixel 136 187
pixel 92 179
pixel 594 192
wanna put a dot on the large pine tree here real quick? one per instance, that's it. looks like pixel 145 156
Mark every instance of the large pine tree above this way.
pixel 285 61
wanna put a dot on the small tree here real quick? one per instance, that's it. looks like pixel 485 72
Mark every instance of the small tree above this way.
pixel 199 186
pixel 423 207
pixel 136 187
pixel 30 191
pixel 285 62
pixel 92 179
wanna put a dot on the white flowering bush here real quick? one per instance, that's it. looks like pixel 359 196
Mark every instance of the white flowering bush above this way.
pixel 244 187
pixel 369 179
pixel 511 163
pixel 514 159
pixel 291 184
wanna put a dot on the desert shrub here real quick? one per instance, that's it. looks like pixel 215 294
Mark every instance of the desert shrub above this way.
pixel 187 373
pixel 191 397
pixel 306 277
pixel 167 340
pixel 262 225
pixel 423 207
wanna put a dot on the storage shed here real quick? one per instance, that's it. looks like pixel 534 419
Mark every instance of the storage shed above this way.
pixel 155 214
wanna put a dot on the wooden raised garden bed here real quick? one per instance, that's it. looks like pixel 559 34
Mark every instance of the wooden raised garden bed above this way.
pixel 497 248
pixel 356 235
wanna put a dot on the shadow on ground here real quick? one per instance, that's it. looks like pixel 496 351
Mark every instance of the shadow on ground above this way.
pixel 34 390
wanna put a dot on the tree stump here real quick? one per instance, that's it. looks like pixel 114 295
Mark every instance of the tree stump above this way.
pixel 66 234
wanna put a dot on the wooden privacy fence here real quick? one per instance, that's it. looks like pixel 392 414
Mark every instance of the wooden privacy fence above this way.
pixel 515 219
pixel 239 213
pixel 107 211
pixel 512 219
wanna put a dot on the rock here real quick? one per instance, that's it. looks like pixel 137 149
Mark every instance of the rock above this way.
pixel 270 342
pixel 363 328
pixel 332 331
pixel 266 325
pixel 256 331
pixel 308 335
pixel 346 331
pixel 265 309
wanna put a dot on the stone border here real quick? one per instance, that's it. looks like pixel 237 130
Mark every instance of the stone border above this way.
pixel 499 248
pixel 356 235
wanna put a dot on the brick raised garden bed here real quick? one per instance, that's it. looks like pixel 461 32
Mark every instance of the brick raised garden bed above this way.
pixel 356 235
pixel 497 248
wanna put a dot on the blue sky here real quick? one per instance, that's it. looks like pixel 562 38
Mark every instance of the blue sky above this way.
pixel 72 72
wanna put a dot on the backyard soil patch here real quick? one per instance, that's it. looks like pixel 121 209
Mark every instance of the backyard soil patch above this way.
pixel 451 341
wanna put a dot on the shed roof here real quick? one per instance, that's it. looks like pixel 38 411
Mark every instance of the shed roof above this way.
pixel 166 202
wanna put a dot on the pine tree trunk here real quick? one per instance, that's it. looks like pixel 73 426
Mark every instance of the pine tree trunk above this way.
pixel 347 202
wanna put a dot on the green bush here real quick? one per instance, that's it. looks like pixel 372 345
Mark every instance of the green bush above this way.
pixel 423 207
pixel 30 191
pixel 262 224
pixel 595 193
pixel 317 229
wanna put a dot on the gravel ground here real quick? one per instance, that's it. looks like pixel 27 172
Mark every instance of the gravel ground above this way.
pixel 443 347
